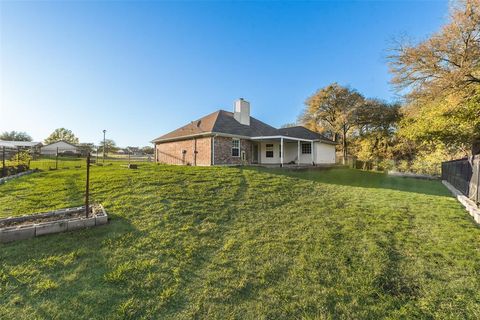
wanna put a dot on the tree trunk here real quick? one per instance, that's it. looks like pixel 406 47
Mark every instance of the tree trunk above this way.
pixel 344 144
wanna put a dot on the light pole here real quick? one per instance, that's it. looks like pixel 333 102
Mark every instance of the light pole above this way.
pixel 104 146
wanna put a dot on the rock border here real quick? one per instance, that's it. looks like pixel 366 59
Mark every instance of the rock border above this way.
pixel 469 205
pixel 96 218
pixel 18 175
pixel 412 175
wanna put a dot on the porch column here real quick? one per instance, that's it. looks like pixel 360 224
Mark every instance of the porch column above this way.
pixel 313 159
pixel 298 152
pixel 281 152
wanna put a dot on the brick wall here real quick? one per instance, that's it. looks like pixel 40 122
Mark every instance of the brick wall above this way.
pixel 223 151
pixel 172 152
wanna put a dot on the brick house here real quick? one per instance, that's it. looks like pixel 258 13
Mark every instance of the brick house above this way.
pixel 236 138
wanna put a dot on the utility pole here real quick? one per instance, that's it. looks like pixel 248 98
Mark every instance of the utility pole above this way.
pixel 104 146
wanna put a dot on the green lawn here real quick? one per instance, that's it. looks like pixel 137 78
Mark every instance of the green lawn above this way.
pixel 233 243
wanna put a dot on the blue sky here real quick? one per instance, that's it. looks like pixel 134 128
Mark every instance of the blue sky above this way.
pixel 139 70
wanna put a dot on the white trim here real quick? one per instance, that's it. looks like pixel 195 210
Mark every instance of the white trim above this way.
pixel 298 152
pixel 281 151
pixel 231 150
pixel 280 137
pixel 228 135
pixel 181 137
pixel 313 156
pixel 213 150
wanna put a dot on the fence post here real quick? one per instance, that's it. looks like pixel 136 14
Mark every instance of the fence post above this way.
pixel 56 160
pixel 477 196
pixel 3 162
pixel 87 189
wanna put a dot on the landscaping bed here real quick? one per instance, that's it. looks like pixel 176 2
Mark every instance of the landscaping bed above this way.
pixel 29 226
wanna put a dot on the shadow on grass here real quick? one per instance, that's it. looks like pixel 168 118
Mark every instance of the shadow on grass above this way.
pixel 59 266
pixel 363 179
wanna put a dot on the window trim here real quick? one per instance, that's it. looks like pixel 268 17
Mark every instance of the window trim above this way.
pixel 269 147
pixel 309 145
pixel 235 148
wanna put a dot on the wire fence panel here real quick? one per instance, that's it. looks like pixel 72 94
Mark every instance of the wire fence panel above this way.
pixel 464 174
pixel 17 160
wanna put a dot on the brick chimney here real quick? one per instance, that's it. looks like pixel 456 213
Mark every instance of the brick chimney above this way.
pixel 241 111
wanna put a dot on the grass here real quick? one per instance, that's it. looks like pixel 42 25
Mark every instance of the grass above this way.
pixel 243 243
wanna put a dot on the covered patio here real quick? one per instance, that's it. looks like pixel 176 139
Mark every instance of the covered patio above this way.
pixel 283 150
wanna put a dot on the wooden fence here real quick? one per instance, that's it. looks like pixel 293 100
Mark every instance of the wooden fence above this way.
pixel 464 174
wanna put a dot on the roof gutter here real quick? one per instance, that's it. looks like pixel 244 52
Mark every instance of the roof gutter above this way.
pixel 202 134
pixel 220 134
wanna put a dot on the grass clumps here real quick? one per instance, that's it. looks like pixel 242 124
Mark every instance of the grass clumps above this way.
pixel 243 243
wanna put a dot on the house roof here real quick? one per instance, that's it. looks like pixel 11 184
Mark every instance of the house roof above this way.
pixel 76 146
pixel 16 144
pixel 303 133
pixel 222 121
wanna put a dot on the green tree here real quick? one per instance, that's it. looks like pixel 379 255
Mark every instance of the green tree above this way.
pixel 332 110
pixel 441 76
pixel 147 150
pixel 62 134
pixel 15 136
pixel 376 123
pixel 110 146
pixel 288 125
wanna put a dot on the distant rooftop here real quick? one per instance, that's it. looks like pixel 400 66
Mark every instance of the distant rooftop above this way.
pixel 17 144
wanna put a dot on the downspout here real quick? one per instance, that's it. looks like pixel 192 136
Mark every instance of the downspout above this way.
pixel 213 150
pixel 195 152
pixel 154 152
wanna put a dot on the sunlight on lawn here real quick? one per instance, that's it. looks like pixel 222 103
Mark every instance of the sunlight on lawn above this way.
pixel 192 242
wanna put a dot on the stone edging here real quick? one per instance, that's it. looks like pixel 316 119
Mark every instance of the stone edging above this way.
pixel 469 205
pixel 18 175
pixel 32 230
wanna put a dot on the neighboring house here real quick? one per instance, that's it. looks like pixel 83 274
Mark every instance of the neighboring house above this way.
pixel 20 144
pixel 62 147
pixel 233 138
pixel 136 151
pixel 14 146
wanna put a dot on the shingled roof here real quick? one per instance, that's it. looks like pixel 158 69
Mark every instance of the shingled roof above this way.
pixel 303 133
pixel 222 121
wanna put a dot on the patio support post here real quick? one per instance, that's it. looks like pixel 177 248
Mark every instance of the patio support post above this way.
pixel 313 159
pixel 298 152
pixel 281 152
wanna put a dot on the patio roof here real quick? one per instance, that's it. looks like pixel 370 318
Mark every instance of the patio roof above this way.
pixel 284 138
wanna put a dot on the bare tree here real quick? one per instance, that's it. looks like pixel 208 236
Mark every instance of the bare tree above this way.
pixel 449 59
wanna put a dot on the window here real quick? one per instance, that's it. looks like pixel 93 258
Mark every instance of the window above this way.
pixel 306 148
pixel 235 147
pixel 269 150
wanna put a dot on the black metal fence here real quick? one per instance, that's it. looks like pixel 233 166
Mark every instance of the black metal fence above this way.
pixel 464 174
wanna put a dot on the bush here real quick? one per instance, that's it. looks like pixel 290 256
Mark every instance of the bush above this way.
pixel 21 158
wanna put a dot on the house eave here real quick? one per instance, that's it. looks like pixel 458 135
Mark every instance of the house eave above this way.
pixel 160 140
pixel 280 137
pixel 196 135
